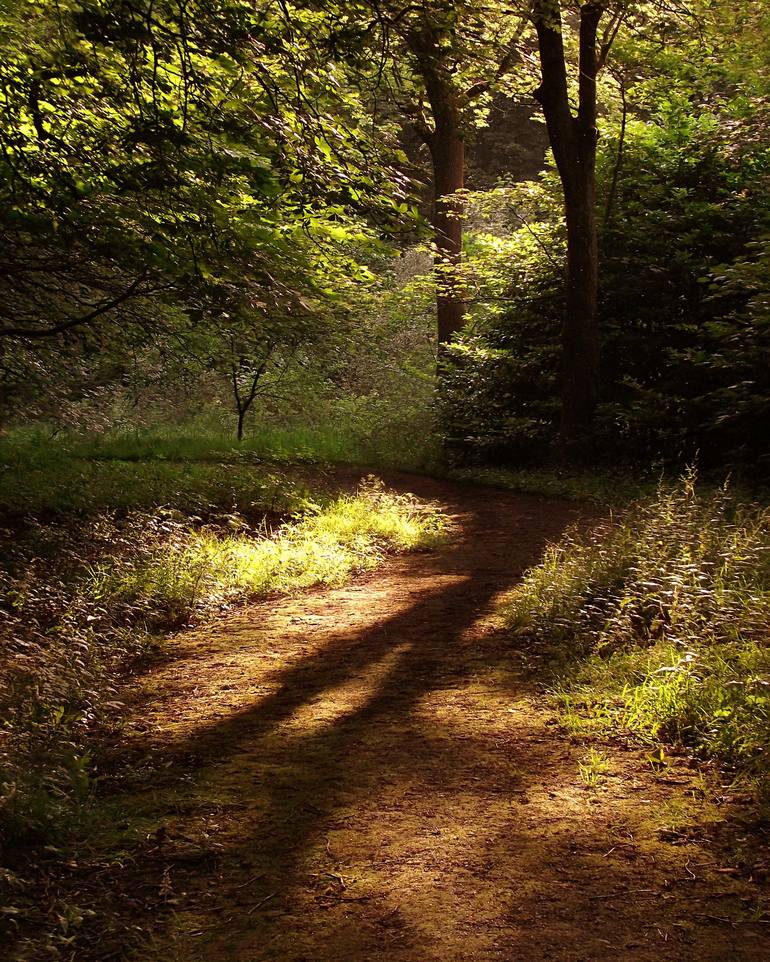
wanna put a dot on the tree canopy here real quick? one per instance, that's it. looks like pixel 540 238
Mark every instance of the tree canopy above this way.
pixel 189 186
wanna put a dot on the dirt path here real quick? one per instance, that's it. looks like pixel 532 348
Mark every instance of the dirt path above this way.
pixel 369 774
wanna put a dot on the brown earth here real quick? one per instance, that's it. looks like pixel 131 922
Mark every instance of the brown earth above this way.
pixel 371 773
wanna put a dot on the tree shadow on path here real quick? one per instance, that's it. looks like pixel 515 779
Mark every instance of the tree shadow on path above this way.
pixel 394 793
pixel 344 735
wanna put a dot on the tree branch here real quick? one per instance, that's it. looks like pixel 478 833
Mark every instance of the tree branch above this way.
pixel 103 308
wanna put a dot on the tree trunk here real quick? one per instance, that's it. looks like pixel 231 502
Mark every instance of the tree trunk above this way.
pixel 573 141
pixel 448 154
pixel 580 327
pixel 447 149
pixel 241 419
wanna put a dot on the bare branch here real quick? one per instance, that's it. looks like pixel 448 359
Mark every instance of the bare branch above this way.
pixel 33 332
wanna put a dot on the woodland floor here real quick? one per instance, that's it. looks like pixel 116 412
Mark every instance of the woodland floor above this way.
pixel 372 773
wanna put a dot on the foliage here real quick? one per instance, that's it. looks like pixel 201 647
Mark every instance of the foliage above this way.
pixel 467 46
pixel 174 177
pixel 683 286
pixel 500 393
pixel 685 333
pixel 667 611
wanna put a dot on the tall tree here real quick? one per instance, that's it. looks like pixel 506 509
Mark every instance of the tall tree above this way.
pixel 573 137
pixel 441 64
pixel 445 139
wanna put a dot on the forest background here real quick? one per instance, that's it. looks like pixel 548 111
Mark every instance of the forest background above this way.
pixel 219 218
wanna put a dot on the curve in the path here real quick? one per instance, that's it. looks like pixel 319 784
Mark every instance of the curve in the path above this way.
pixel 371 776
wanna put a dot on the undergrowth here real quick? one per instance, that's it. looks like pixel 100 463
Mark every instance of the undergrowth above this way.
pixel 43 471
pixel 55 481
pixel 660 623
pixel 192 568
pixel 78 602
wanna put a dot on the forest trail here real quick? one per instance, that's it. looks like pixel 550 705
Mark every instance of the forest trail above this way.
pixel 370 773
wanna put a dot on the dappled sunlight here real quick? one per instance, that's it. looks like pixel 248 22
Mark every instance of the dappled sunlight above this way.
pixel 258 666
pixel 342 700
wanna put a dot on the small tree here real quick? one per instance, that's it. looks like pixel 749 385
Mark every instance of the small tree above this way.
pixel 256 368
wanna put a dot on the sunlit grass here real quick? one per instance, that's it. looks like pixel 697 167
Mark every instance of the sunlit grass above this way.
pixel 660 622
pixel 199 567
pixel 593 768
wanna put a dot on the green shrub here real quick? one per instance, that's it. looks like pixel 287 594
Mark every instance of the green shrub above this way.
pixel 683 308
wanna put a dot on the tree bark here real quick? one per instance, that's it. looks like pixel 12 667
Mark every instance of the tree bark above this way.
pixel 447 148
pixel 573 141
pixel 448 155
pixel 580 328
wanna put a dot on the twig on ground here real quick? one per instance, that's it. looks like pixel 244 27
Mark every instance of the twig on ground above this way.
pixel 259 904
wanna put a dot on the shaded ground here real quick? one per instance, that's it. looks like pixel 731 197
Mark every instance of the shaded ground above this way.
pixel 369 773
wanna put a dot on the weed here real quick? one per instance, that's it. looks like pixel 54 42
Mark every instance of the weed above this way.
pixel 593 768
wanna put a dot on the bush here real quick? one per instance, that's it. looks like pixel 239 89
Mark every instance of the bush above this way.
pixel 683 306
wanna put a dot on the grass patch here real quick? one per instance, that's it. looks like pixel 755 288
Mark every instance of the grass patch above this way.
pixel 283 445
pixel 55 480
pixel 660 623
pixel 190 442
pixel 605 488
pixel 43 471
pixel 193 568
